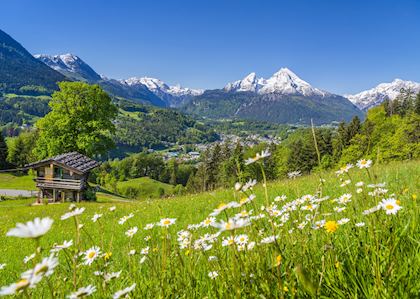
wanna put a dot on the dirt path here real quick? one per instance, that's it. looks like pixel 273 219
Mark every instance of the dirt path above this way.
pixel 15 193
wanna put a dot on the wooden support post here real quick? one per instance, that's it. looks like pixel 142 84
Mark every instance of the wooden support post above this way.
pixel 78 196
pixel 53 195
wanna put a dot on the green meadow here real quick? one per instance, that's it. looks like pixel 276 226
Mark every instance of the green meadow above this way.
pixel 377 260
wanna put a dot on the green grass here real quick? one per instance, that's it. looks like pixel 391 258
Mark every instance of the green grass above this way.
pixel 380 260
pixel 22 182
pixel 143 188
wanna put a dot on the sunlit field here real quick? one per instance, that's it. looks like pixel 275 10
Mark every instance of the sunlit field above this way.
pixel 349 235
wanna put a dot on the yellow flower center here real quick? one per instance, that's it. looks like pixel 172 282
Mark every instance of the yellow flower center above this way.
pixel 389 207
pixel 91 254
pixel 21 284
pixel 228 226
pixel 43 269
pixel 166 222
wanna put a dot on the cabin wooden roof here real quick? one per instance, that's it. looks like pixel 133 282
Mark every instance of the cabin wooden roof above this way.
pixel 73 161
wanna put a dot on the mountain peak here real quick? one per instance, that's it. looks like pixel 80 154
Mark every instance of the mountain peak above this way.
pixel 284 81
pixel 384 91
pixel 70 65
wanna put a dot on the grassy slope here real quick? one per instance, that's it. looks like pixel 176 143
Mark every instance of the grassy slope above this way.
pixel 348 264
pixel 147 187
pixel 10 181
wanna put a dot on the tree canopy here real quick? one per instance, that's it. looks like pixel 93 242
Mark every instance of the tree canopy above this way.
pixel 81 119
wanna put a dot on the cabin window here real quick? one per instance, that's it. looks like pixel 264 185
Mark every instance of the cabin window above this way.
pixel 58 172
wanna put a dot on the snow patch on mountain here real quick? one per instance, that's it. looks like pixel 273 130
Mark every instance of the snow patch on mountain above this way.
pixel 384 91
pixel 69 64
pixel 282 82
pixel 173 95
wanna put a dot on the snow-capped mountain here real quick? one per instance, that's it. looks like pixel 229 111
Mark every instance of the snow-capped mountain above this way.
pixel 71 66
pixel 384 91
pixel 282 82
pixel 173 95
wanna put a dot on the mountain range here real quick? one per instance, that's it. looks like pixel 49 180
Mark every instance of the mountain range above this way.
pixel 282 98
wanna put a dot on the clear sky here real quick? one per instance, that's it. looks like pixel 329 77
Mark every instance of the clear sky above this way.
pixel 337 45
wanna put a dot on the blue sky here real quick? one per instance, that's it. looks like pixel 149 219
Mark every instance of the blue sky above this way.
pixel 341 46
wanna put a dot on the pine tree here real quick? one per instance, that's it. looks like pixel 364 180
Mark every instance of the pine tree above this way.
pixel 3 152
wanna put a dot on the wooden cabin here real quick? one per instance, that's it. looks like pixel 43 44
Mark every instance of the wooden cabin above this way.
pixel 63 177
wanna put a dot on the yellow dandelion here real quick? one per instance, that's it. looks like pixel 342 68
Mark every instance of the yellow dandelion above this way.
pixel 285 289
pixel 331 226
pixel 337 264
pixel 278 260
pixel 107 256
pixel 414 196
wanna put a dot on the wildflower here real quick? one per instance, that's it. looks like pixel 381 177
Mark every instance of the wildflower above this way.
pixel 125 218
pixel 258 156
pixel 228 241
pixel 29 258
pixel 212 258
pixel 278 260
pixel 238 186
pixel 147 238
pixel 269 239
pixel 123 293
pixel 331 226
pixel 143 259
pixel 44 268
pixel 339 209
pixel 294 174
pixel 82 292
pixel 208 221
pixel 360 184
pixel 280 198
pixel 96 217
pixel 14 288
pixel 112 209
pixel 360 224
pixel 149 226
pixel 318 224
pixel 74 212
pixel 246 200
pixel 363 163
pixel 107 256
pixel 2 266
pixel 145 250
pixel 31 229
pixel 379 191
pixel 132 252
pixel 109 276
pixel 65 245
pixel 359 190
pixel 166 222
pixel 344 169
pixel 91 254
pixel 131 232
pixel 241 239
pixel 344 199
pixel 390 205
pixel 249 185
pixel 345 183
pixel 372 210
pixel 213 274
pixel 343 221
pixel 250 246
pixel 231 224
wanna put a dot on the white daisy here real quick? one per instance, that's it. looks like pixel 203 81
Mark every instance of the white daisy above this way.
pixel 82 292
pixel 166 222
pixel 109 276
pixel 145 250
pixel 2 266
pixel 360 224
pixel 131 232
pixel 74 212
pixel 208 221
pixel 112 209
pixel 31 229
pixel 363 163
pixel 241 239
pixel 96 217
pixel 14 288
pixel 123 293
pixel 44 268
pixel 29 258
pixel 213 274
pixel 65 245
pixel 390 205
pixel 91 254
